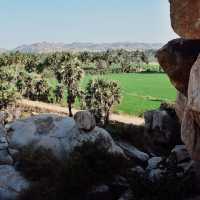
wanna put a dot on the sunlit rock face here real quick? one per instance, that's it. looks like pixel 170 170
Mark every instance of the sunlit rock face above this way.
pixel 191 120
pixel 59 134
pixel 181 61
pixel 177 58
pixel 185 18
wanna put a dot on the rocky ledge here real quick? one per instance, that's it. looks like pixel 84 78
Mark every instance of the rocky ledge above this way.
pixel 63 135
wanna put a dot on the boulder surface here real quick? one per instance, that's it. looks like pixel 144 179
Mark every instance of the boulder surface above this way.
pixel 11 183
pixel 58 134
pixel 185 18
pixel 177 58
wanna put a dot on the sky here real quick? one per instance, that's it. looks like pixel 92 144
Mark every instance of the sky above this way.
pixel 31 21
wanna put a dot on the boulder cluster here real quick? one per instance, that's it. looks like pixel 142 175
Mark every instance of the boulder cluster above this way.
pixel 180 59
pixel 62 135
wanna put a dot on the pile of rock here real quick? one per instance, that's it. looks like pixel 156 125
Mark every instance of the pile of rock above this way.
pixel 180 59
pixel 162 130
pixel 61 135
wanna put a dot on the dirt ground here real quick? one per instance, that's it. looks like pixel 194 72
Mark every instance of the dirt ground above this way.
pixel 40 107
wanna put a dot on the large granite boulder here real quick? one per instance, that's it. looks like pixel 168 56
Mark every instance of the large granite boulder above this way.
pixel 162 130
pixel 181 102
pixel 11 183
pixel 133 153
pixel 185 18
pixel 177 58
pixel 58 134
pixel 190 124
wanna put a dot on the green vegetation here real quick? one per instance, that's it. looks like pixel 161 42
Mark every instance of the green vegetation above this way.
pixel 140 91
pixel 67 71
pixel 8 90
pixel 99 97
pixel 45 77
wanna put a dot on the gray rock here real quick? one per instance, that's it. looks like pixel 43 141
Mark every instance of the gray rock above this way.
pixel 133 152
pixel 154 162
pixel 100 192
pixel 155 119
pixel 11 183
pixel 85 120
pixel 186 166
pixel 181 153
pixel 127 195
pixel 5 158
pixel 138 170
pixel 3 141
pixel 119 185
pixel 155 175
pixel 59 134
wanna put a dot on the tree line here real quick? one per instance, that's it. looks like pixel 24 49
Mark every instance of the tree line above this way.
pixel 26 76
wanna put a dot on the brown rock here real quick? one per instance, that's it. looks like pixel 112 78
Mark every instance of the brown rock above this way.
pixel 191 121
pixel 181 102
pixel 177 58
pixel 185 18
pixel 85 120
pixel 194 87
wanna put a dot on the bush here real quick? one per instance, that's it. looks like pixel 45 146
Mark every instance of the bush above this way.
pixel 8 94
pixel 99 98
pixel 8 90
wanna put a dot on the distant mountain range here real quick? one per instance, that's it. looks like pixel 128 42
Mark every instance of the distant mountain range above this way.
pixel 46 47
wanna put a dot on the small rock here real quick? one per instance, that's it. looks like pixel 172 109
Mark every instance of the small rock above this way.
pixel 101 192
pixel 186 166
pixel 181 153
pixel 5 158
pixel 155 175
pixel 128 195
pixel 154 162
pixel 85 120
pixel 11 183
pixel 119 185
pixel 13 153
pixel 138 170
pixel 133 152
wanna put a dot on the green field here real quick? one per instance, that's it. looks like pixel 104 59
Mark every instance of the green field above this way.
pixel 140 91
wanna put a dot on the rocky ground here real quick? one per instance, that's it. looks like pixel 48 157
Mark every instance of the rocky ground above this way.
pixel 110 168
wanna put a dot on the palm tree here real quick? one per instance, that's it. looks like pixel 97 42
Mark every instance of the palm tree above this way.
pixel 67 71
pixel 100 96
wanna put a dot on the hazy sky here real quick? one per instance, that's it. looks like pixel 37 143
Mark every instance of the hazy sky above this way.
pixel 29 21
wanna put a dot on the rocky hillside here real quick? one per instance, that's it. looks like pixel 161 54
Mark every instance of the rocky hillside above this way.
pixel 46 47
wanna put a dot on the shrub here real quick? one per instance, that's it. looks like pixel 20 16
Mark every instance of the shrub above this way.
pixel 100 96
pixel 59 93
pixel 8 91
pixel 8 94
